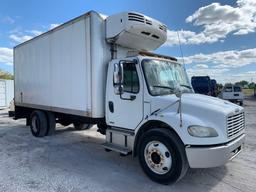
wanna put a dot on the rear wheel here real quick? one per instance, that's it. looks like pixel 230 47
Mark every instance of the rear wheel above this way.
pixel 162 156
pixel 82 126
pixel 51 123
pixel 38 123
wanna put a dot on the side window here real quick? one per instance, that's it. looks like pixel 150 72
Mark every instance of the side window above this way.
pixel 131 79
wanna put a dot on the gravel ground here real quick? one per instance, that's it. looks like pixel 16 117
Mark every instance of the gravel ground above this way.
pixel 73 161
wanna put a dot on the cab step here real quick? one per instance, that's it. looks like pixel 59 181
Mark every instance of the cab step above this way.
pixel 113 147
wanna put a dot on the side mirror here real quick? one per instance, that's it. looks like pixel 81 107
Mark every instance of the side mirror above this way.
pixel 118 78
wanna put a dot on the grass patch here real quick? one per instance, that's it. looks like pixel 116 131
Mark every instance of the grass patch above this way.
pixel 248 92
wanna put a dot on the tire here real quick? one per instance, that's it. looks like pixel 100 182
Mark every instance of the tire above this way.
pixel 51 123
pixel 38 123
pixel 162 156
pixel 241 103
pixel 82 126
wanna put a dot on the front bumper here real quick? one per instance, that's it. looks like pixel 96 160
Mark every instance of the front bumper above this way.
pixel 214 156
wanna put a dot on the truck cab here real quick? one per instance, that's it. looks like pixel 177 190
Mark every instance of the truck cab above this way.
pixel 152 111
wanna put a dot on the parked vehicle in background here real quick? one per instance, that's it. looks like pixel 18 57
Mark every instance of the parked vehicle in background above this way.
pixel 94 70
pixel 11 109
pixel 201 84
pixel 6 92
pixel 232 93
pixel 214 88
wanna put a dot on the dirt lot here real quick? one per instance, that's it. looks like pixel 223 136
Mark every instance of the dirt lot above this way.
pixel 73 161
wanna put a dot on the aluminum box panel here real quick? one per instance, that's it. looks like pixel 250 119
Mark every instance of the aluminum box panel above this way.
pixel 64 70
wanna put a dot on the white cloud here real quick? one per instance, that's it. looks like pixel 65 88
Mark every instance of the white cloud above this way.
pixel 6 55
pixel 201 66
pixel 35 32
pixel 225 59
pixel 224 19
pixel 54 25
pixel 212 73
pixel 223 75
pixel 7 20
pixel 220 65
pixel 248 76
pixel 217 22
pixel 20 39
pixel 188 37
pixel 103 16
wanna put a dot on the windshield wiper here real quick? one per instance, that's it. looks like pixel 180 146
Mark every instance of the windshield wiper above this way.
pixel 164 87
pixel 187 86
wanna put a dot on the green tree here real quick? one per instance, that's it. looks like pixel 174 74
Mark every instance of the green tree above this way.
pixel 251 85
pixel 242 83
pixel 5 75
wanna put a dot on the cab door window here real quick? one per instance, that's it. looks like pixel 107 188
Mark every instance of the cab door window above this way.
pixel 131 79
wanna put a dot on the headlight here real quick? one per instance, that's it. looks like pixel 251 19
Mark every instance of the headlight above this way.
pixel 200 131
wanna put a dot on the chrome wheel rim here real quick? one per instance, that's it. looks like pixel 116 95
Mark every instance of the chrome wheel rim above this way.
pixel 158 157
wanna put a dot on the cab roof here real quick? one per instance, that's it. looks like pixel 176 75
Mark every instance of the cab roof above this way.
pixel 150 54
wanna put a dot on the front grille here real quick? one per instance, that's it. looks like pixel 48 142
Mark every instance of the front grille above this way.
pixel 235 124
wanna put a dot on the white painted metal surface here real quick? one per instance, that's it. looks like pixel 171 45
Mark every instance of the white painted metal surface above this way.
pixel 134 30
pixel 127 114
pixel 6 93
pixel 64 69
pixel 2 94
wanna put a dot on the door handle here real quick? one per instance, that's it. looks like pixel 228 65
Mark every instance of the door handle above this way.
pixel 111 106
pixel 131 97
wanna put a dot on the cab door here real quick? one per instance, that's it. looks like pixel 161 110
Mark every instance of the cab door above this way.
pixel 125 110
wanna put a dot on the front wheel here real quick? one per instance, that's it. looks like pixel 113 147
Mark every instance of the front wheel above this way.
pixel 162 156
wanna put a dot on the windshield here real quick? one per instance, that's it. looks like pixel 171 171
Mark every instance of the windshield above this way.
pixel 228 89
pixel 163 76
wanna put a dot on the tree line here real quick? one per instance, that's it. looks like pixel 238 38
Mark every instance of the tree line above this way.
pixel 246 84
pixel 5 75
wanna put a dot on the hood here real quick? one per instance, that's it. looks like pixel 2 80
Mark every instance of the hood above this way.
pixel 196 109
pixel 211 103
pixel 195 103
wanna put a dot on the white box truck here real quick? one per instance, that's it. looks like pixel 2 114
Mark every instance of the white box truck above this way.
pixel 96 70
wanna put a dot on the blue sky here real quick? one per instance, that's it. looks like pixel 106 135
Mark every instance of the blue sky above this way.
pixel 218 38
